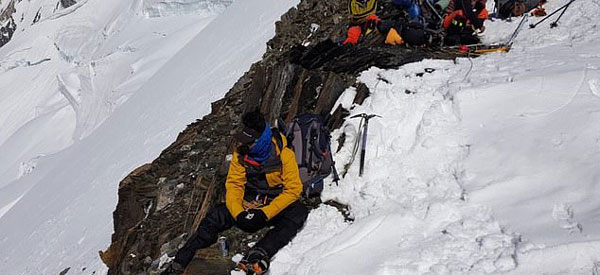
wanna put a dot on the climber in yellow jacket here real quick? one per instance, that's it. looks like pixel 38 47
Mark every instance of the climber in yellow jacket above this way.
pixel 262 189
pixel 281 177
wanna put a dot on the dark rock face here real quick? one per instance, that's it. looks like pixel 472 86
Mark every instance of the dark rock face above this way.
pixel 7 24
pixel 161 203
pixel 67 3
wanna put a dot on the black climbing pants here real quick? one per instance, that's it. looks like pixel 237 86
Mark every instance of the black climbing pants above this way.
pixel 285 226
pixel 461 39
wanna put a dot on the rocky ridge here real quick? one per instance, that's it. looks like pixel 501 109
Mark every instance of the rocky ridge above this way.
pixel 7 23
pixel 8 26
pixel 303 70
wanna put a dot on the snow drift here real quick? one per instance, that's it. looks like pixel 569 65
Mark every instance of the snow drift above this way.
pixel 490 165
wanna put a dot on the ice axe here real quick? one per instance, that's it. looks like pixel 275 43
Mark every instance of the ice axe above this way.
pixel 364 118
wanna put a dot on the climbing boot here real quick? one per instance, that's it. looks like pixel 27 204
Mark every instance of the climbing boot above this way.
pixel 255 263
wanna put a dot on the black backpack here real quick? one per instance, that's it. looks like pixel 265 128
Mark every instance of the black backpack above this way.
pixel 414 34
pixel 309 137
pixel 510 8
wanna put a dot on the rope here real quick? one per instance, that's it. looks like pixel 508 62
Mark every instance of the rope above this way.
pixel 470 67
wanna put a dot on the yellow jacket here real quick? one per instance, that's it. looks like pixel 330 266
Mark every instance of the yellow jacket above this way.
pixel 288 177
pixel 360 12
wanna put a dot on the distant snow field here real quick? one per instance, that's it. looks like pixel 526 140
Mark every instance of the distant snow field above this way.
pixel 90 92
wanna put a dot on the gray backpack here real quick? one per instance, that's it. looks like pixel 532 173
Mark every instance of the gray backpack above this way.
pixel 309 137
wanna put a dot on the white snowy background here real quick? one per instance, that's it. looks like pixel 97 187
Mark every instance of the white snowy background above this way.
pixel 486 165
pixel 118 87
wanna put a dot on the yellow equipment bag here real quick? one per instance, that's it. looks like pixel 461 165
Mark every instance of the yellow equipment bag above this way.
pixel 393 38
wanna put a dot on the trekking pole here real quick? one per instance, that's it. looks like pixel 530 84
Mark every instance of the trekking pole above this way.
pixel 514 34
pixel 363 148
pixel 432 9
pixel 496 10
pixel 555 23
pixel 563 8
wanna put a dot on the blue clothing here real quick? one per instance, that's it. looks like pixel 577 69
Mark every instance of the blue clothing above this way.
pixel 262 148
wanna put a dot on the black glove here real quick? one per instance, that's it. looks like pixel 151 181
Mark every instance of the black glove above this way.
pixel 251 220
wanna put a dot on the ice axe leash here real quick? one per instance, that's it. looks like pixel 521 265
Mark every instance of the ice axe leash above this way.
pixel 365 121
pixel 555 23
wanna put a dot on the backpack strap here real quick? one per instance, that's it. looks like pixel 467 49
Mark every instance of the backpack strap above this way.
pixel 278 138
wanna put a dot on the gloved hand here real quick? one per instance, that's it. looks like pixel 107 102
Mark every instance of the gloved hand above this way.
pixel 373 17
pixel 252 220
pixel 372 22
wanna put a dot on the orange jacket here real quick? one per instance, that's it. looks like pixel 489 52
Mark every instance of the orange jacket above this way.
pixel 288 177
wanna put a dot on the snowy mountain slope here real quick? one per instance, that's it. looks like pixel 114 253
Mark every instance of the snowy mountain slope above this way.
pixel 552 130
pixel 61 211
pixel 410 212
pixel 476 168
pixel 159 8
pixel 83 65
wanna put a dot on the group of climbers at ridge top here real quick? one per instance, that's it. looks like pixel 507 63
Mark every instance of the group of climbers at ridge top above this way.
pixel 272 168
pixel 420 22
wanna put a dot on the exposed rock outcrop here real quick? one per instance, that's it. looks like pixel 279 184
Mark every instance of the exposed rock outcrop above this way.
pixel 67 3
pixel 161 202
pixel 7 23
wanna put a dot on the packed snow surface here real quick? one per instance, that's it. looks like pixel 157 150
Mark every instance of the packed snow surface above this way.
pixel 490 165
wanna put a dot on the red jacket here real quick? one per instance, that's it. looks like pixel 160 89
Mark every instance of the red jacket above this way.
pixel 456 8
pixel 483 14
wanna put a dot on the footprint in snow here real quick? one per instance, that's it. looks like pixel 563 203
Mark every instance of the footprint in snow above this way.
pixel 564 215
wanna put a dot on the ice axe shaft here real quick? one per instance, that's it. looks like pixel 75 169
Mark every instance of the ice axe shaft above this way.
pixel 363 149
